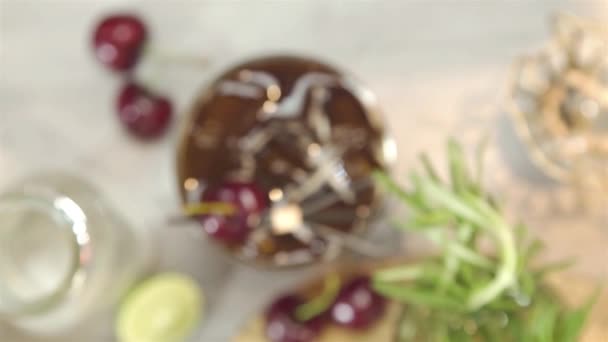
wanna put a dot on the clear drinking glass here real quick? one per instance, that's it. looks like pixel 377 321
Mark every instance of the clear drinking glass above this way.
pixel 64 254
pixel 292 142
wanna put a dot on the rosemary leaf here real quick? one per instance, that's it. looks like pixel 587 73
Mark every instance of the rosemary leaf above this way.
pixel 417 296
pixel 571 323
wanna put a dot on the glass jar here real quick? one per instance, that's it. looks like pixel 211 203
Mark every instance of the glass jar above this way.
pixel 64 254
pixel 558 103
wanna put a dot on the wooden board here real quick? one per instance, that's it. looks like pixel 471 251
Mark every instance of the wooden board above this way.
pixel 574 291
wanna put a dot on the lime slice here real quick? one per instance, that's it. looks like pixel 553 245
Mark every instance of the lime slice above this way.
pixel 164 308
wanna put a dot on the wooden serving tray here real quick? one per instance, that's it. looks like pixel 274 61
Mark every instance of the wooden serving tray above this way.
pixel 574 291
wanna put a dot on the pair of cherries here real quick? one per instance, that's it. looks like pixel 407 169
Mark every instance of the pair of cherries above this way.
pixel 356 307
pixel 118 43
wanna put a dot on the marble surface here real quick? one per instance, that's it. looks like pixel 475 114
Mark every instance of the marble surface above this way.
pixel 438 67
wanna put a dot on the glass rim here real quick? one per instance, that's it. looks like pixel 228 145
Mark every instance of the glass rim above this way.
pixel 386 152
pixel 75 219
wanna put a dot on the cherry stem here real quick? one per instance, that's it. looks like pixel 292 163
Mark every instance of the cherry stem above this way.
pixel 161 60
pixel 191 210
pixel 205 208
pixel 190 60
pixel 322 302
pixel 169 57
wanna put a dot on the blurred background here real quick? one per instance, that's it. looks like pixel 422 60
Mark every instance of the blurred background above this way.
pixel 438 68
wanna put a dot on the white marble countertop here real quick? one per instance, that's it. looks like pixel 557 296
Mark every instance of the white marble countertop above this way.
pixel 438 67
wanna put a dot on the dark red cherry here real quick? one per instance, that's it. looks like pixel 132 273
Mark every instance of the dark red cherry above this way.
pixel 282 326
pixel 357 305
pixel 248 201
pixel 118 41
pixel 143 113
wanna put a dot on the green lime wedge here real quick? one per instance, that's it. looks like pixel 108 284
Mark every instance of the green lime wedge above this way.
pixel 164 308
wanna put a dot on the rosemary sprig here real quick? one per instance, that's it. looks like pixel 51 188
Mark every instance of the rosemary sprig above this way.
pixel 462 293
